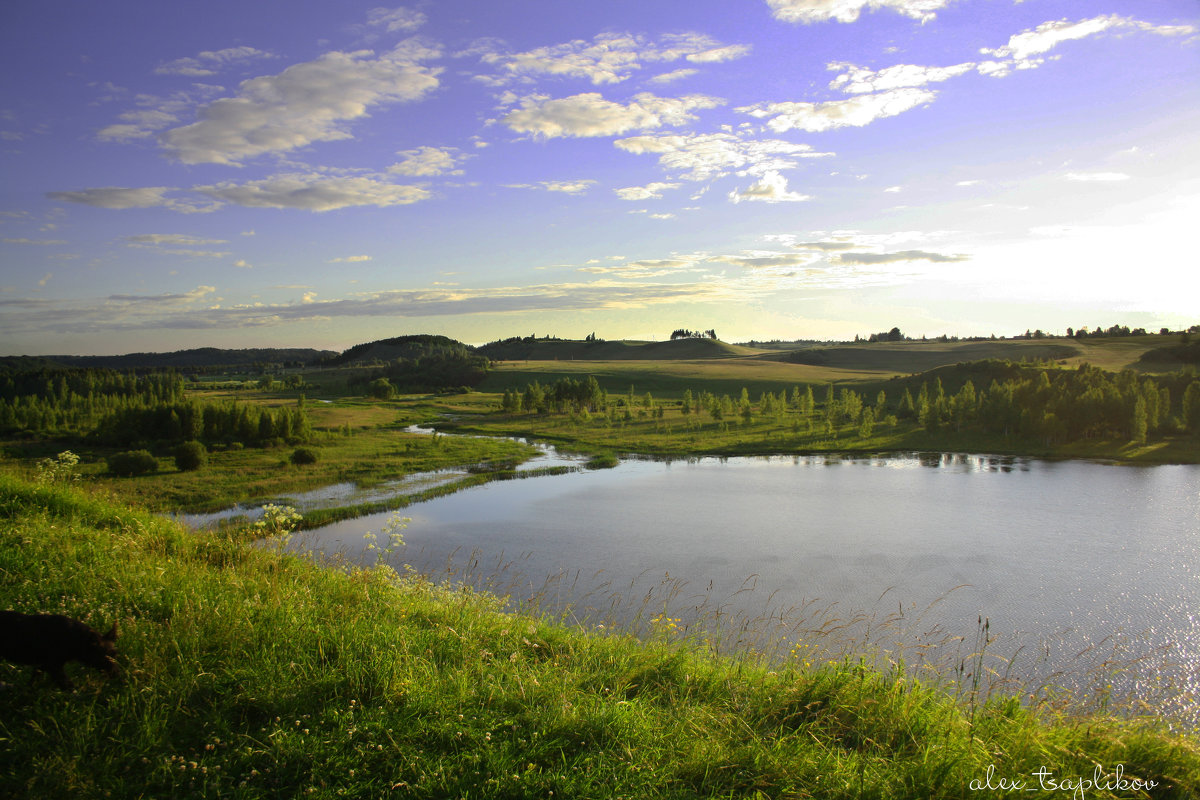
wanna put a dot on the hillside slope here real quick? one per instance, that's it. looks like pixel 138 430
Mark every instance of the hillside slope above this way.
pixel 196 358
pixel 573 350
pixel 921 356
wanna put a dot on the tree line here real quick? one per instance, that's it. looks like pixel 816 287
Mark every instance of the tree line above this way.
pixel 1022 401
pixel 208 422
pixel 73 401
pixel 124 407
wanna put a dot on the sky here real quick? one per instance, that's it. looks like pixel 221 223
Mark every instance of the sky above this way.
pixel 289 173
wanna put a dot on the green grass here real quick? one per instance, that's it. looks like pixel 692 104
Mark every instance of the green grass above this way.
pixel 356 441
pixel 253 674
pixel 677 435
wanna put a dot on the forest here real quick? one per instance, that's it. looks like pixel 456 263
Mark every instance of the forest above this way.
pixel 1017 401
pixel 117 408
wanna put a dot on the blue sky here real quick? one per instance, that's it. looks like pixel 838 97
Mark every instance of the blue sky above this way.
pixel 322 174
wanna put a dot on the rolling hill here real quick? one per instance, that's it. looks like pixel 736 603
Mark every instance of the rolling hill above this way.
pixel 530 349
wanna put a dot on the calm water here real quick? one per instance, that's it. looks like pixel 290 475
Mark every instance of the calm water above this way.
pixel 1058 556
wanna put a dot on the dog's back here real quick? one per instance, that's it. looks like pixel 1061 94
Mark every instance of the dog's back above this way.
pixel 49 641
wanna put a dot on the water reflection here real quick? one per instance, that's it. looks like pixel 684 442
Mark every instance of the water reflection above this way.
pixel 1077 566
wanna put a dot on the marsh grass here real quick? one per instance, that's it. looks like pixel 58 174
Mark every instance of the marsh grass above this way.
pixel 253 672
pixel 366 457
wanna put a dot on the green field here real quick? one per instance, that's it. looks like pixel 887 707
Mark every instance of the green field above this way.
pixel 249 673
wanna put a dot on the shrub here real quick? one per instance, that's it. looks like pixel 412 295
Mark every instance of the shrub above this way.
pixel 190 456
pixel 132 462
pixel 60 469
pixel 304 455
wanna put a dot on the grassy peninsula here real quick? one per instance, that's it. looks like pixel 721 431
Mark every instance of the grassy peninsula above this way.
pixel 251 673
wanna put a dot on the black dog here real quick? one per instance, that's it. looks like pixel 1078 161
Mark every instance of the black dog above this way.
pixel 49 641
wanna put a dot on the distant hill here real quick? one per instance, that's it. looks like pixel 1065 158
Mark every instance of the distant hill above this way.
pixel 530 349
pixel 421 362
pixel 196 358
pixel 921 356
pixel 410 347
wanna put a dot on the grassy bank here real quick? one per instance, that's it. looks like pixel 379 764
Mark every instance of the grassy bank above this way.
pixel 357 441
pixel 252 674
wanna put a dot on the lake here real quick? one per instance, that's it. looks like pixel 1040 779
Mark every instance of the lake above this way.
pixel 1076 566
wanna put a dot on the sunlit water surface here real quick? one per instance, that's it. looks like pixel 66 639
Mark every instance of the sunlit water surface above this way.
pixel 1060 558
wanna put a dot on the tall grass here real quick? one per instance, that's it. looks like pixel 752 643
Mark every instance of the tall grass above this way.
pixel 251 672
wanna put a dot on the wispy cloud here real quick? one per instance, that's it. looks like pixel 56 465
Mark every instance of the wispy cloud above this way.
pixel 120 198
pixel 565 187
pixel 176 239
pixel 700 157
pixel 651 191
pixel 606 59
pixel 306 103
pixel 771 188
pixel 210 62
pixel 589 114
pixel 400 19
pixel 36 242
pixel 853 112
pixel 316 192
pixel 1096 177
pixel 428 162
pixel 810 11
pixel 897 257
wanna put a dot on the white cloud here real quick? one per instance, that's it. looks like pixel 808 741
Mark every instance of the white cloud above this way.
pixel 647 268
pixel 316 192
pixel 176 239
pixel 853 112
pixel 720 54
pixel 428 162
pixel 178 299
pixel 651 191
pixel 589 114
pixel 117 197
pixel 808 11
pixel 607 58
pixel 156 112
pixel 1099 177
pixel 396 19
pixel 38 242
pixel 766 259
pixel 701 157
pixel 209 62
pixel 306 103
pixel 898 257
pixel 675 75
pixel 241 263
pixel 349 259
pixel 137 125
pixel 1049 34
pixel 859 80
pixel 771 188
pixel 566 187
pixel 1022 48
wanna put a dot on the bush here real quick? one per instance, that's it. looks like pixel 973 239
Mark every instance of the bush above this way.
pixel 132 462
pixel 190 456
pixel 304 455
